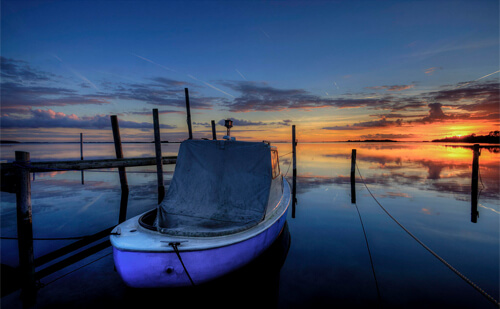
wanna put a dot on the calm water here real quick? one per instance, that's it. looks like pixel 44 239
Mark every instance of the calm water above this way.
pixel 425 186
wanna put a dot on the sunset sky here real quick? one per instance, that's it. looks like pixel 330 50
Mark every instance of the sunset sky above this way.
pixel 338 70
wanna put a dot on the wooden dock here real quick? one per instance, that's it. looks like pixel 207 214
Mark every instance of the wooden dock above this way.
pixel 16 178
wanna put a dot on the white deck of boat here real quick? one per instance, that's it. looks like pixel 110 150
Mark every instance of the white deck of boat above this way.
pixel 134 237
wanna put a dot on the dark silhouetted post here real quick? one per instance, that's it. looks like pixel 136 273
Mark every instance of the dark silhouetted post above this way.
pixel 159 161
pixel 353 176
pixel 81 146
pixel 121 170
pixel 81 155
pixel 25 227
pixel 294 179
pixel 214 135
pixel 188 110
pixel 475 176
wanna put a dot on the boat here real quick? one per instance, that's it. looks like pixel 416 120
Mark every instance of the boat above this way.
pixel 226 204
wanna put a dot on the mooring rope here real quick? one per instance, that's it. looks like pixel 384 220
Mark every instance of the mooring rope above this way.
pixel 369 253
pixel 174 245
pixel 475 286
pixel 287 169
pixel 286 154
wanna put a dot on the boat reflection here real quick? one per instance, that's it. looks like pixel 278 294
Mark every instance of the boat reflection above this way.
pixel 254 285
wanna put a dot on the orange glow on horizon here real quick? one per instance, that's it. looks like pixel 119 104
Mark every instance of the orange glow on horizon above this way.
pixel 308 130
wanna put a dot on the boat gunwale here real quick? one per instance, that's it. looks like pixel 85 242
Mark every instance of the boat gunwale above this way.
pixel 200 242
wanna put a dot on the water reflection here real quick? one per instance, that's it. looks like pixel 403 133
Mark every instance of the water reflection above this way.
pixel 494 149
pixel 71 151
pixel 424 166
pixel 426 186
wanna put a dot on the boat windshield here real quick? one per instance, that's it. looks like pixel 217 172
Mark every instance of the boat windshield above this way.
pixel 275 163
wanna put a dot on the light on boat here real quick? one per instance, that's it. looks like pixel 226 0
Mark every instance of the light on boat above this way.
pixel 228 123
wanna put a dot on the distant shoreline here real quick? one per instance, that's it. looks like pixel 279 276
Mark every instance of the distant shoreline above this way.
pixel 9 142
pixel 470 139
pixel 372 141
pixel 16 142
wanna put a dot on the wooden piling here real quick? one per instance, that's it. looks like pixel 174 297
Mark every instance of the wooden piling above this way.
pixel 188 111
pixel 353 176
pixel 214 135
pixel 159 161
pixel 25 226
pixel 474 183
pixel 81 156
pixel 81 146
pixel 121 170
pixel 294 178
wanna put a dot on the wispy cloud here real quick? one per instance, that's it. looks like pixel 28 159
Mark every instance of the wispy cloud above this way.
pixel 381 123
pixel 20 71
pixel 246 123
pixel 465 84
pixel 431 71
pixel 262 97
pixel 240 74
pixel 76 73
pixel 444 47
pixel 150 112
pixel 19 96
pixel 151 61
pixel 265 33
pixel 387 136
pixel 392 88
pixel 211 86
pixel 40 118
pixel 86 80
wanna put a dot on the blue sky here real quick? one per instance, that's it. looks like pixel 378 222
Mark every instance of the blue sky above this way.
pixel 336 69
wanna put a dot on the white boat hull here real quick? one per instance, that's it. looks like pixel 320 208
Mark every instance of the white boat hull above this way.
pixel 144 258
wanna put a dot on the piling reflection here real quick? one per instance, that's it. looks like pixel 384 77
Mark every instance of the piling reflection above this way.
pixel 423 166
pixel 427 186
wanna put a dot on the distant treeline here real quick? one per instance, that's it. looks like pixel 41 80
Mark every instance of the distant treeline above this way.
pixel 373 141
pixel 8 142
pixel 492 138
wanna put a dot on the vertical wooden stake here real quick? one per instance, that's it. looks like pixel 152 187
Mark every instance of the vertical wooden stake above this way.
pixel 81 155
pixel 294 179
pixel 188 110
pixel 353 176
pixel 214 135
pixel 81 146
pixel 25 227
pixel 159 161
pixel 123 175
pixel 475 177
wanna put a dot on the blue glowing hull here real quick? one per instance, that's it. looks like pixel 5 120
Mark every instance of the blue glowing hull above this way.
pixel 144 259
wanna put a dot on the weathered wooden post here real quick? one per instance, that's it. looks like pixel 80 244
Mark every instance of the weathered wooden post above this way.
pixel 214 135
pixel 159 161
pixel 25 227
pixel 81 155
pixel 188 110
pixel 474 185
pixel 294 179
pixel 81 146
pixel 121 170
pixel 353 176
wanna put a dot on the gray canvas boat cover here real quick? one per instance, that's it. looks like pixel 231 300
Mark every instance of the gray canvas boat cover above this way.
pixel 218 188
